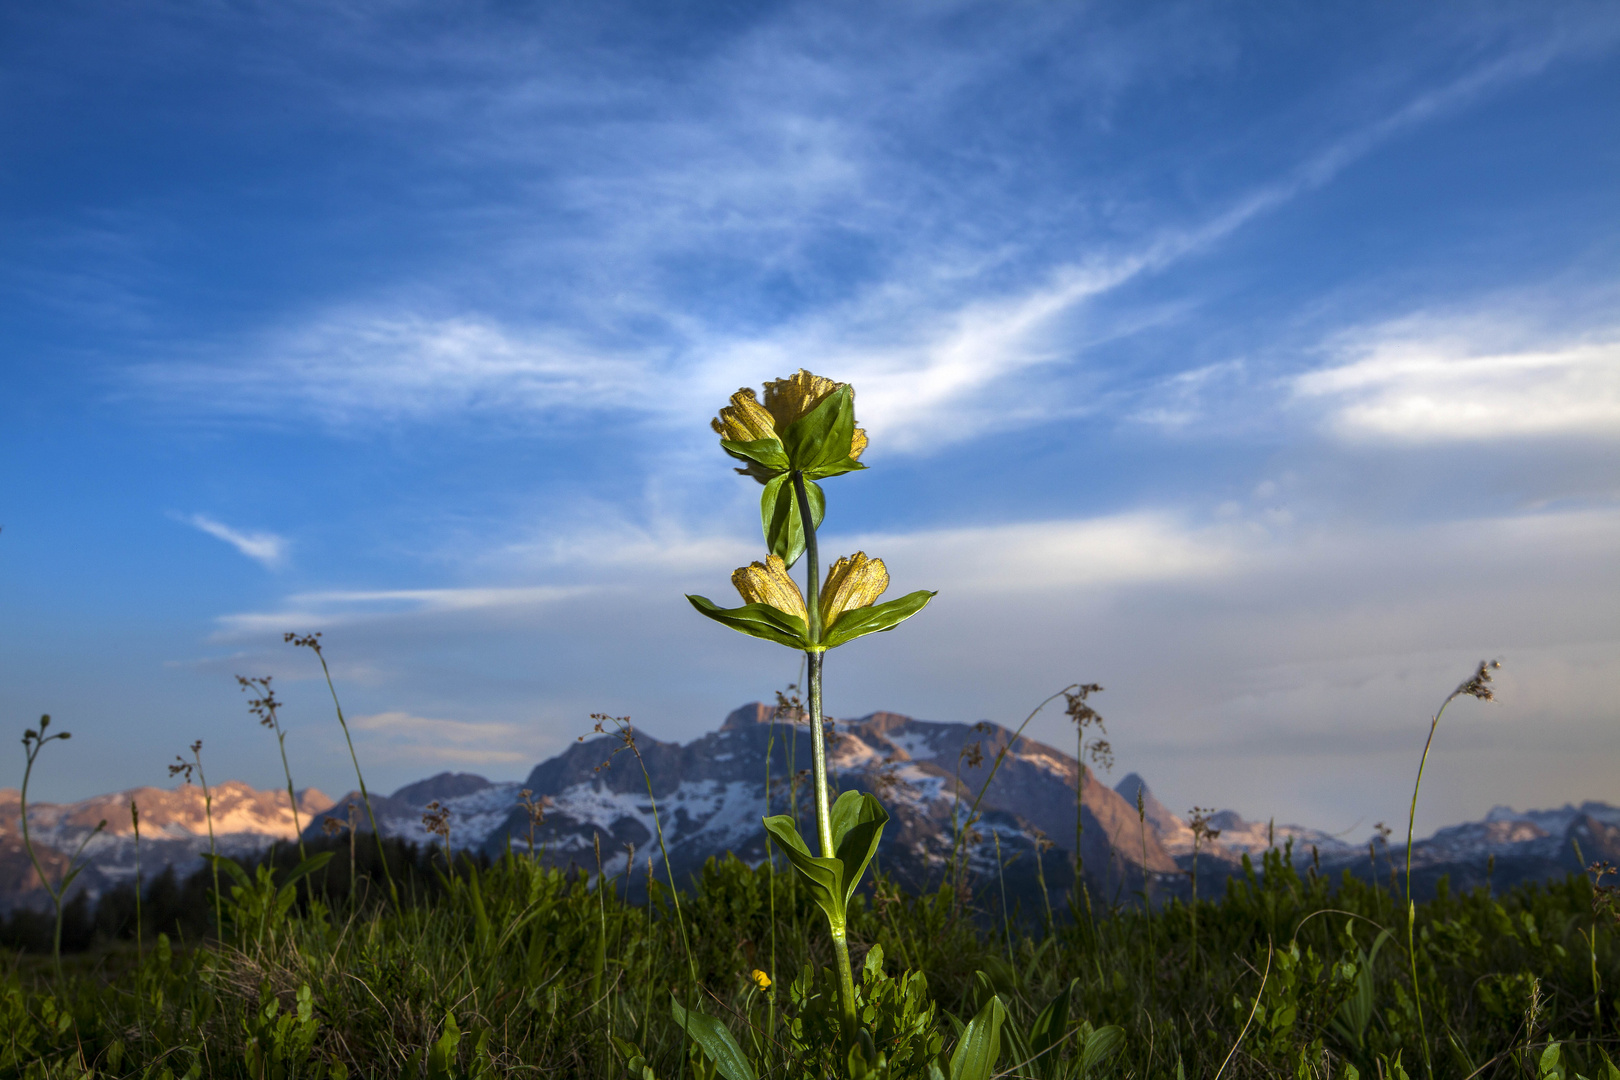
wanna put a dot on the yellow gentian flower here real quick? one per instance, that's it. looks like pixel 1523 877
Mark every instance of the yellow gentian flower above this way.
pixel 854 581
pixel 768 583
pixel 745 420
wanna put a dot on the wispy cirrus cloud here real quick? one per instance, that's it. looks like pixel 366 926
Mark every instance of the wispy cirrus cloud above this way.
pixel 946 336
pixel 1431 391
pixel 401 738
pixel 368 367
pixel 341 607
pixel 266 548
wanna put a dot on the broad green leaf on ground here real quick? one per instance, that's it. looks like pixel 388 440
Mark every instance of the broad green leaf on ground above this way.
pixel 716 1041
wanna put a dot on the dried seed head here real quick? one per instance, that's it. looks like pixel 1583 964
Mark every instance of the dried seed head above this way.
pixel 304 641
pixel 1198 821
pixel 1479 685
pixel 1101 753
pixel 1078 710
pixel 436 819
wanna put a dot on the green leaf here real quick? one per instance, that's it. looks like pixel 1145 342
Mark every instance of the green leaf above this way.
pixel 1049 1026
pixel 857 821
pixel 837 468
pixel 442 1058
pixel 308 866
pixel 824 876
pixel 1101 1045
pixel 870 620
pixel 822 436
pixel 231 867
pixel 767 452
pixel 779 516
pixel 715 1040
pixel 757 620
pixel 872 969
pixel 976 1052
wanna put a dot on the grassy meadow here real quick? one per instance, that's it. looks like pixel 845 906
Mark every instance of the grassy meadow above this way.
pixel 513 968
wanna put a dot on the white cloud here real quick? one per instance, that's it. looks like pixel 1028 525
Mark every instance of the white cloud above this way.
pixel 262 547
pixel 339 607
pixel 941 352
pixel 1048 556
pixel 402 738
pixel 1434 391
pixel 363 366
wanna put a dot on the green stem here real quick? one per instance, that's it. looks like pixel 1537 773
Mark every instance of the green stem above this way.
pixel 292 796
pixel 1411 909
pixel 818 745
pixel 382 855
pixel 958 850
pixel 213 850
pixel 1194 964
pixel 22 810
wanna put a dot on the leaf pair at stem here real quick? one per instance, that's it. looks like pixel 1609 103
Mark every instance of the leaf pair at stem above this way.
pixel 857 825
pixel 776 610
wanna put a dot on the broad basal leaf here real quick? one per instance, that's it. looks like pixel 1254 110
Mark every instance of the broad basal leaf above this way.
pixel 716 1041
pixel 980 1045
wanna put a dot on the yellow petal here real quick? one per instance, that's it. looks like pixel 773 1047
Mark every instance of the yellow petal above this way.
pixel 857 444
pixel 768 583
pixel 853 582
pixel 744 420
pixel 790 398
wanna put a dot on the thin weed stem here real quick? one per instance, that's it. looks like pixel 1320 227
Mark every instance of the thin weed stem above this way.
pixel 627 738
pixel 1477 686
pixel 182 767
pixel 1001 755
pixel 265 707
pixel 313 643
pixel 33 742
pixel 140 943
pixel 1006 915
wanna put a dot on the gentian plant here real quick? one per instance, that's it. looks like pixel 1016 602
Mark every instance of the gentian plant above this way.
pixel 805 432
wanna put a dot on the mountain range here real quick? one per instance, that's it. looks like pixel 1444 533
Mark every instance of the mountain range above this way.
pixel 597 800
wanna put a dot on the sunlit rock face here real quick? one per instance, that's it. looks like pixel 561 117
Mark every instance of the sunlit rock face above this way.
pixel 174 832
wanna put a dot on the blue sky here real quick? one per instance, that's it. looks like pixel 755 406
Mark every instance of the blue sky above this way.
pixel 1258 362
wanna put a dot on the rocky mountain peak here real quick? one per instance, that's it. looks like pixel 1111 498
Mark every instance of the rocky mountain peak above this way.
pixel 446 785
pixel 755 712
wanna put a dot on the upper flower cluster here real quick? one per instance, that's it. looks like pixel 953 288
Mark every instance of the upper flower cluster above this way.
pixel 807 423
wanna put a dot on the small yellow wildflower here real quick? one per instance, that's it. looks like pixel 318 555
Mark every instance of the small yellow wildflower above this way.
pixel 762 979
pixel 768 583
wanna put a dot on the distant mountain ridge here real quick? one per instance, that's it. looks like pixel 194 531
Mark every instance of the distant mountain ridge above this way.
pixel 174 831
pixel 711 793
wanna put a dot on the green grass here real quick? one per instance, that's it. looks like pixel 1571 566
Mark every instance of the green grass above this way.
pixel 516 969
